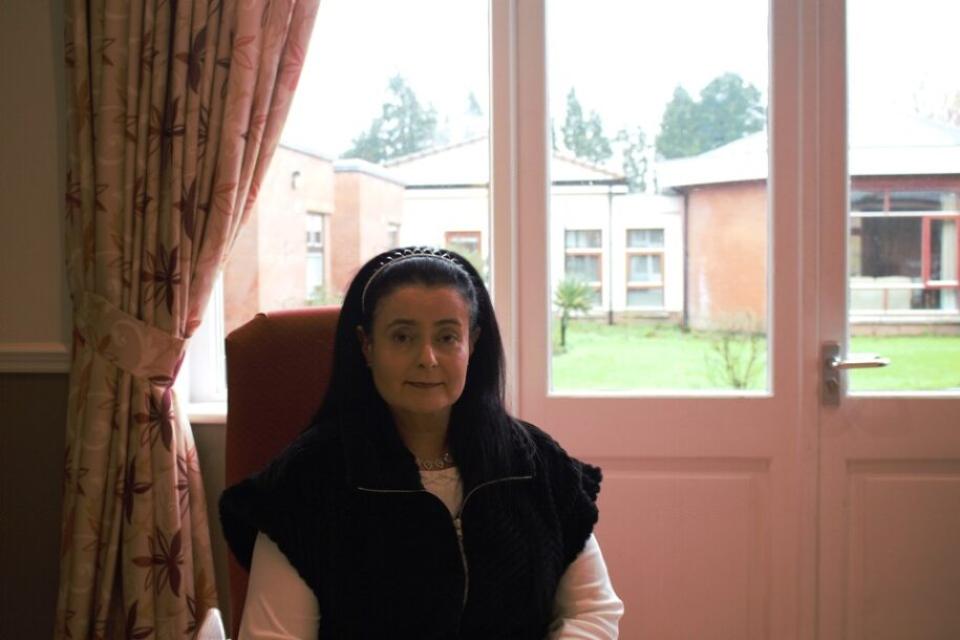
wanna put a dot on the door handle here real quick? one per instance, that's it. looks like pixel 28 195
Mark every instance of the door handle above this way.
pixel 860 361
pixel 834 363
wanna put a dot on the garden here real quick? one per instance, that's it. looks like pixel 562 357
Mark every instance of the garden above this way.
pixel 641 356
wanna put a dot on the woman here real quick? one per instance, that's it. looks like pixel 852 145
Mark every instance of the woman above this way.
pixel 414 506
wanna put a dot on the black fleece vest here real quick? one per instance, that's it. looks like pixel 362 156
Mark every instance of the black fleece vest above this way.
pixel 381 553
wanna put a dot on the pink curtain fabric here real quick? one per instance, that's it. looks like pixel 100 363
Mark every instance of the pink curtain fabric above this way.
pixel 175 108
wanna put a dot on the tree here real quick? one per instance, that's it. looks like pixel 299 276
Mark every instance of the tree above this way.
pixel 728 109
pixel 584 136
pixel 476 122
pixel 571 294
pixel 633 147
pixel 938 106
pixel 679 134
pixel 403 127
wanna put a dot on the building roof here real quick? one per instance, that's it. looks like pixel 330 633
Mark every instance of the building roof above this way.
pixel 881 144
pixel 306 149
pixel 358 165
pixel 467 163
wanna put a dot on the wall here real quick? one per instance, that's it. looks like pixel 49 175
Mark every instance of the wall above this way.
pixel 365 205
pixel 267 265
pixel 727 252
pixel 429 213
pixel 590 207
pixel 34 324
pixel 32 315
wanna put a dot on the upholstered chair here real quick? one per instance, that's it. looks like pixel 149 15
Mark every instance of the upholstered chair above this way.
pixel 278 368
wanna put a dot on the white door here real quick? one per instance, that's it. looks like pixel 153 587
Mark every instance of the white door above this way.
pixel 758 513
pixel 706 502
pixel 890 453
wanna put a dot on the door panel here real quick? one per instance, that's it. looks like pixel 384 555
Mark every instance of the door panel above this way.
pixel 701 540
pixel 702 505
pixel 889 494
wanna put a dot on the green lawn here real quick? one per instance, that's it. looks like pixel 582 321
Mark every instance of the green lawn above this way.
pixel 629 356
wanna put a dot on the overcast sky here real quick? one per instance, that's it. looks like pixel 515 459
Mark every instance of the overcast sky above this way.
pixel 624 57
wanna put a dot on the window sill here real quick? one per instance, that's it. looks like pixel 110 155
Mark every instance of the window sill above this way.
pixel 207 412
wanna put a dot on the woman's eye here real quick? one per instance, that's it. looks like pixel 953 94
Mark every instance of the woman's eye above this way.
pixel 450 338
pixel 401 337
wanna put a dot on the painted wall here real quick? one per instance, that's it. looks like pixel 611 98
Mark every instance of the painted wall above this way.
pixel 429 213
pixel 573 208
pixel 34 324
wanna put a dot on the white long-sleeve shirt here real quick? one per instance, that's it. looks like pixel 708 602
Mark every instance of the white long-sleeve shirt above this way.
pixel 280 605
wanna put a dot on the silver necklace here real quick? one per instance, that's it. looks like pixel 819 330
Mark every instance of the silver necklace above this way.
pixel 436 464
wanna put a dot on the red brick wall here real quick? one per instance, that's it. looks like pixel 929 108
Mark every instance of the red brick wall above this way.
pixel 267 266
pixel 364 207
pixel 726 246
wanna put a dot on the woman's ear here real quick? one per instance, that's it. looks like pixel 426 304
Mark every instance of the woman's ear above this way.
pixel 364 343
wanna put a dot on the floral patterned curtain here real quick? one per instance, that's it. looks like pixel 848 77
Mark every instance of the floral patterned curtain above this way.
pixel 175 108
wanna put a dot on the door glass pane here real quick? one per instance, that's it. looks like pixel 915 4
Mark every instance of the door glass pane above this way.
pixel 658 221
pixel 386 144
pixel 904 163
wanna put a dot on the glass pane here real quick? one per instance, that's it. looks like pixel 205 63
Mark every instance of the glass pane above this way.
pixel 943 250
pixel 904 154
pixel 645 297
pixel 315 279
pixel 645 268
pixel 586 268
pixel 645 238
pixel 583 239
pixel 660 148
pixel 916 200
pixel 388 140
pixel 866 201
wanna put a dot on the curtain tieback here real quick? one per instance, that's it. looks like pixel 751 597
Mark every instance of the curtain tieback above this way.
pixel 129 343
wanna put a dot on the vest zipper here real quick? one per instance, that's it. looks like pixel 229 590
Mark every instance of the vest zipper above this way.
pixel 457 523
pixel 458 526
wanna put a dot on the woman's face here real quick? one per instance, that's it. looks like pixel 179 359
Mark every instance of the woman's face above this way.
pixel 419 349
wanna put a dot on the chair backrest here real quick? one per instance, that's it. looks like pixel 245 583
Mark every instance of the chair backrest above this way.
pixel 278 369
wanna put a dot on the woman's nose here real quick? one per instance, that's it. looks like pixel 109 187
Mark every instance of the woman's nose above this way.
pixel 427 357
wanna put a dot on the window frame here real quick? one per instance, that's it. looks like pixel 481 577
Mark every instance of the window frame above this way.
pixel 596 252
pixel 886 188
pixel 320 248
pixel 450 239
pixel 659 252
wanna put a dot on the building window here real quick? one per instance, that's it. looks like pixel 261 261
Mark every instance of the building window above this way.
pixel 463 242
pixel 316 252
pixel 645 249
pixel 903 251
pixel 583 259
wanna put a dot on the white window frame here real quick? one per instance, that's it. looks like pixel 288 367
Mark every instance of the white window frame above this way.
pixel 656 251
pixel 593 252
pixel 317 248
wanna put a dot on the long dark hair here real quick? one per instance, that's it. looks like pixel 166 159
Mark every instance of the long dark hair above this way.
pixel 481 431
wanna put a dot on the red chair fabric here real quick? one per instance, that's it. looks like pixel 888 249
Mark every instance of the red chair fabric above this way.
pixel 278 369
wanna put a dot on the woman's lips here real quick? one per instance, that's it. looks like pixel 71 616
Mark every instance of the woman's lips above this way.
pixel 424 385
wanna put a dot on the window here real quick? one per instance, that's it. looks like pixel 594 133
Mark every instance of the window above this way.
pixel 316 254
pixel 665 179
pixel 645 251
pixel 645 238
pixel 464 242
pixel 583 258
pixel 402 157
pixel 903 251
